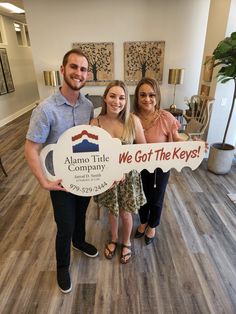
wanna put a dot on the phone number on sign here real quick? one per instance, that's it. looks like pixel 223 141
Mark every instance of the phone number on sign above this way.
pixel 88 190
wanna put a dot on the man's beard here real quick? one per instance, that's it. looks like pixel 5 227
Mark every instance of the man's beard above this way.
pixel 72 86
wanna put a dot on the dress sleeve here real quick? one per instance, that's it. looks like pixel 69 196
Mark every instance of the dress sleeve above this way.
pixel 172 125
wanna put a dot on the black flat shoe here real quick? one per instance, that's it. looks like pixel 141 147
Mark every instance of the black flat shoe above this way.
pixel 139 234
pixel 148 240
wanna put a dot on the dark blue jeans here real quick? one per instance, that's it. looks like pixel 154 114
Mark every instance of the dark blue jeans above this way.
pixel 151 212
pixel 69 214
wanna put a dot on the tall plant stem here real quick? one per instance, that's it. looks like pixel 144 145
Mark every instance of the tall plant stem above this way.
pixel 230 115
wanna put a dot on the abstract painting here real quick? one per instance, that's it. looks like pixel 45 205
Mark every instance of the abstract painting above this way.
pixel 101 61
pixel 143 58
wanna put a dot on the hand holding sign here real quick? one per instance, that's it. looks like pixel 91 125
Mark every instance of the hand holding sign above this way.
pixel 89 160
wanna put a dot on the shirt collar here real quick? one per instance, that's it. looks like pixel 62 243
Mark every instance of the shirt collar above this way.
pixel 61 100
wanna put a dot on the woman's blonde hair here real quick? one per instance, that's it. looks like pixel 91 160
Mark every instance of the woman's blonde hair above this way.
pixel 155 86
pixel 124 116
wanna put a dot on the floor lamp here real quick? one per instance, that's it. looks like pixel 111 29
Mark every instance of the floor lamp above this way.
pixel 52 78
pixel 176 77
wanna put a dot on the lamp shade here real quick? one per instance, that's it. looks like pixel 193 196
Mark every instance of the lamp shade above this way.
pixel 52 78
pixel 176 76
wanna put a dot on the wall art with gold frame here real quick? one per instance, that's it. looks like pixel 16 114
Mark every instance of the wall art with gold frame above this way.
pixel 101 61
pixel 205 90
pixel 143 58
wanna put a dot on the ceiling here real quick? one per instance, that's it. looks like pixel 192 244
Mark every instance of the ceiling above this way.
pixel 18 17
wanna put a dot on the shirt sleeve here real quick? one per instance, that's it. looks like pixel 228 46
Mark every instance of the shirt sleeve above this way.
pixel 39 126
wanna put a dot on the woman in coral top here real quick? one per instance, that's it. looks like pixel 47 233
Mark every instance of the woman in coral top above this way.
pixel 159 126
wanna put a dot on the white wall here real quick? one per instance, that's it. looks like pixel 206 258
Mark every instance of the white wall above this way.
pixel 223 96
pixel 23 74
pixel 54 25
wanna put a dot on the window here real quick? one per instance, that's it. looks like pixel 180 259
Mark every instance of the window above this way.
pixel 2 32
pixel 19 33
pixel 22 34
pixel 27 35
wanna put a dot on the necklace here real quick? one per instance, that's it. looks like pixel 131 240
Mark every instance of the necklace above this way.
pixel 149 120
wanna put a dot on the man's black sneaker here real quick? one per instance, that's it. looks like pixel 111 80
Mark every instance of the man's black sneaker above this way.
pixel 63 280
pixel 87 249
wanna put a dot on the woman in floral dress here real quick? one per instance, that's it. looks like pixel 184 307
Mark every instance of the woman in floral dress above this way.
pixel 126 196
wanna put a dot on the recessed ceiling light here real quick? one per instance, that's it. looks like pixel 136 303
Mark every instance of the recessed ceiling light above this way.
pixel 11 8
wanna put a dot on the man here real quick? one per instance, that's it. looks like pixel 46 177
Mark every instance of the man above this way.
pixel 61 111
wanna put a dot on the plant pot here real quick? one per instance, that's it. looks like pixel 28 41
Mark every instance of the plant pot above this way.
pixel 220 160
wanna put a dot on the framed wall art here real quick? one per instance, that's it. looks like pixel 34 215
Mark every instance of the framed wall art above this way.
pixel 205 90
pixel 208 69
pixel 101 61
pixel 143 58
pixel 3 87
pixel 6 70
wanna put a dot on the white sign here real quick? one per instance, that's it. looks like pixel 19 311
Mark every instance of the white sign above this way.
pixel 89 160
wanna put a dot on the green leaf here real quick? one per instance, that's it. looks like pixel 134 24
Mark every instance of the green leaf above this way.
pixel 233 42
pixel 233 35
pixel 230 70
pixel 224 47
pixel 225 80
pixel 222 71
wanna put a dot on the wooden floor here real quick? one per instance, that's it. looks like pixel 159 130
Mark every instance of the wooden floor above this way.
pixel 191 268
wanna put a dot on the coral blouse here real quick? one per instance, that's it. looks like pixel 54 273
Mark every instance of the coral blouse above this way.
pixel 162 128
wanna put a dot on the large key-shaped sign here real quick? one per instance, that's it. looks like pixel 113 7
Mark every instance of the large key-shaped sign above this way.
pixel 89 160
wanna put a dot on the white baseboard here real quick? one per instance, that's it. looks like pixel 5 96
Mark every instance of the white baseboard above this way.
pixel 18 114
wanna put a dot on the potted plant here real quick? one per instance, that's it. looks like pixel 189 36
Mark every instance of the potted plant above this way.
pixel 192 106
pixel 221 154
